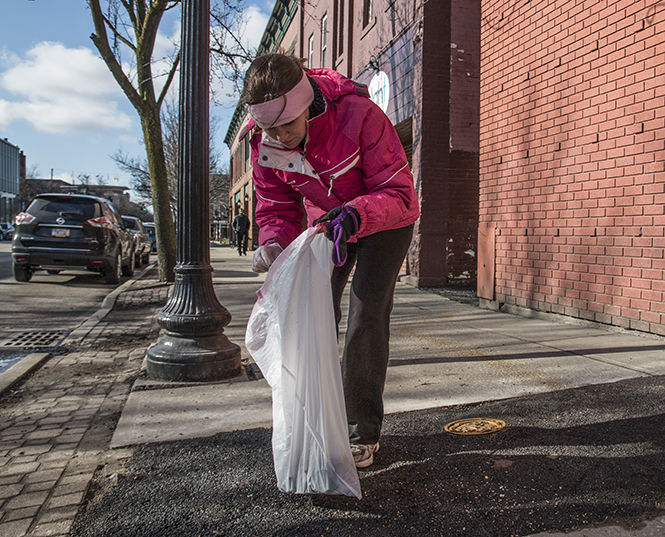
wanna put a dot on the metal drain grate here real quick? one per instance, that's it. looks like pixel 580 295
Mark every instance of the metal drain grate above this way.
pixel 35 338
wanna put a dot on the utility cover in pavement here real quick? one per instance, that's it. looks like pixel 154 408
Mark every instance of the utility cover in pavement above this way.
pixel 470 426
pixel 35 338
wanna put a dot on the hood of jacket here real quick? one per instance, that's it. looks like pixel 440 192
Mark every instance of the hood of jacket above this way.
pixel 334 85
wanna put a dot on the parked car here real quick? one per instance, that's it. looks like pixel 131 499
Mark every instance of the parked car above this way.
pixel 65 231
pixel 150 228
pixel 142 241
pixel 6 231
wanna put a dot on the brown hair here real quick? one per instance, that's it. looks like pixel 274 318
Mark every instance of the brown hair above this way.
pixel 270 76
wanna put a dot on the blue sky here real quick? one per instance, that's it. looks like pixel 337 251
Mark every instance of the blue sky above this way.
pixel 58 101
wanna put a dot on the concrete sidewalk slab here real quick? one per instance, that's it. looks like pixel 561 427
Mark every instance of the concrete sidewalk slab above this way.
pixel 176 413
pixel 442 353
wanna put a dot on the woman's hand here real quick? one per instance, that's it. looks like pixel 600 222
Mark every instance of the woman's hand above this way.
pixel 341 223
pixel 264 256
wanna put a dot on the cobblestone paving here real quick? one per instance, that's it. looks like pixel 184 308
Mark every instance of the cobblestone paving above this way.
pixel 55 427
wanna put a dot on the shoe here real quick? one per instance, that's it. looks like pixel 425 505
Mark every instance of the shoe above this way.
pixel 363 454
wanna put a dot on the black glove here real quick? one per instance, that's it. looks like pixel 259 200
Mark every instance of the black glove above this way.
pixel 342 224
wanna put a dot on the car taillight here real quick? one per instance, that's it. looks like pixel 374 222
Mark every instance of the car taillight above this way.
pixel 24 218
pixel 99 221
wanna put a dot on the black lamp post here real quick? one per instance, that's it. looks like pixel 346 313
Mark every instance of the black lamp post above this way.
pixel 194 347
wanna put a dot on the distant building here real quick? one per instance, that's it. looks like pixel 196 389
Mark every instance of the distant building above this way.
pixel 32 187
pixel 12 170
pixel 220 184
pixel 117 195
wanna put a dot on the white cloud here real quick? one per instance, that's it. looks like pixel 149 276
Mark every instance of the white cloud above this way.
pixel 255 22
pixel 7 57
pixel 61 90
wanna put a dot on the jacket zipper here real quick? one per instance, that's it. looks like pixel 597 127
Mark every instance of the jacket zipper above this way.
pixel 304 156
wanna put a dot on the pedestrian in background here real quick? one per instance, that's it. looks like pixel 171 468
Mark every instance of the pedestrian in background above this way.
pixel 320 144
pixel 241 227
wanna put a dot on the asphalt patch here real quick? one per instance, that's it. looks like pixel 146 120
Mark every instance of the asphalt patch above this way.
pixel 589 456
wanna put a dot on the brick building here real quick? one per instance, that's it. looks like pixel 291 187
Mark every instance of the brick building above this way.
pixel 420 61
pixel 12 172
pixel 572 156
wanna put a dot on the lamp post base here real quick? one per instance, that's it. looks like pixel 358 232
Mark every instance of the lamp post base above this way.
pixel 205 358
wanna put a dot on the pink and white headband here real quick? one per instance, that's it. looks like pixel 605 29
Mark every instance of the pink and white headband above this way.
pixel 285 108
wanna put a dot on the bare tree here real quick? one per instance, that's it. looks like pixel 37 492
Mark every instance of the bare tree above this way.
pixel 139 173
pixel 132 25
pixel 33 172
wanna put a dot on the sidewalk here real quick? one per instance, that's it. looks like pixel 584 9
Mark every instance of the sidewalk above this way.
pixel 442 353
pixel 583 444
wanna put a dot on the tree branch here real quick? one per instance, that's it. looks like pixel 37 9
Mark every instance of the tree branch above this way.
pixel 233 35
pixel 169 79
pixel 100 40
pixel 118 34
pixel 129 8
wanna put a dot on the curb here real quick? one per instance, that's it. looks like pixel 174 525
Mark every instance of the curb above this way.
pixel 80 332
pixel 21 369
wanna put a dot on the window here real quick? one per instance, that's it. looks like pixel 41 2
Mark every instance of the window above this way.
pixel 324 38
pixel 368 11
pixel 247 153
pixel 310 52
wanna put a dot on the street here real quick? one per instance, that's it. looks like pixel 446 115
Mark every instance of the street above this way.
pixel 47 302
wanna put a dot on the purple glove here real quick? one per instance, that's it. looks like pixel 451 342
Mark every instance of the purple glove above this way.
pixel 342 223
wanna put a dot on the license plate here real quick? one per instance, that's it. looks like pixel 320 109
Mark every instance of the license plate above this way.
pixel 59 233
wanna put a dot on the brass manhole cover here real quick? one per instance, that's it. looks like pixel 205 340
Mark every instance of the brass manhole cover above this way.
pixel 471 426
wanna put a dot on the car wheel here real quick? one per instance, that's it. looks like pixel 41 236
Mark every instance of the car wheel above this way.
pixel 128 268
pixel 53 271
pixel 112 273
pixel 22 273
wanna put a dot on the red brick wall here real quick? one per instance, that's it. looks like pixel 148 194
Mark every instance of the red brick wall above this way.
pixel 572 152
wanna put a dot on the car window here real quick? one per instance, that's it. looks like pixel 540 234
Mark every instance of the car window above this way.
pixel 129 223
pixel 71 209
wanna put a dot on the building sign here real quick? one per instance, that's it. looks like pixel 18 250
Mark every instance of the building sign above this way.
pixel 379 90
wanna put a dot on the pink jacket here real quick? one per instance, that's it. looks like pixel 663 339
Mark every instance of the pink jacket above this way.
pixel 352 156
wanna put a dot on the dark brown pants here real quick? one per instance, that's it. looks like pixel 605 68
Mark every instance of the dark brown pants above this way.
pixel 377 259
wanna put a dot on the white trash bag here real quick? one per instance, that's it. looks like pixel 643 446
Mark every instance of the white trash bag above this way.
pixel 291 336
